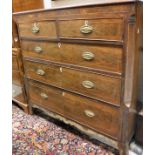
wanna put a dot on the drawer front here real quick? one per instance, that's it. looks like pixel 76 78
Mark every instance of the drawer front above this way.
pixel 14 63
pixel 16 79
pixel 98 116
pixel 41 50
pixel 95 57
pixel 100 87
pixel 44 29
pixel 102 29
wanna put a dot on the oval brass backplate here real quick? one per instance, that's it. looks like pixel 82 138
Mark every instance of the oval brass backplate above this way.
pixel 88 84
pixel 89 113
pixel 88 55
pixel 44 96
pixel 40 72
pixel 86 28
pixel 38 49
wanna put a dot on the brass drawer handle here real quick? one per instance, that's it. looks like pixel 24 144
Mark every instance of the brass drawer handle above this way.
pixel 88 84
pixel 88 56
pixel 35 28
pixel 44 96
pixel 86 28
pixel 40 72
pixel 89 113
pixel 38 49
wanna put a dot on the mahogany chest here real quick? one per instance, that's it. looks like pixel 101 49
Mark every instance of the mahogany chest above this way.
pixel 81 64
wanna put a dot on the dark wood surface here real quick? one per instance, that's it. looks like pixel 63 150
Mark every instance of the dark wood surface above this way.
pixel 105 88
pixel 86 12
pixel 106 58
pixel 106 29
pixel 63 4
pixel 139 124
pixel 75 107
pixel 139 130
pixel 17 65
pixel 16 77
pixel 14 63
pixel 18 80
pixel 46 29
pixel 22 5
pixel 15 37
pixel 113 72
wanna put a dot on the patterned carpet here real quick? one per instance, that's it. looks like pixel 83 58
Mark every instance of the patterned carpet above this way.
pixel 35 135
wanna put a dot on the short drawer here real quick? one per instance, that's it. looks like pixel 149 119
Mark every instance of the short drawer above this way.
pixel 43 29
pixel 16 78
pixel 14 62
pixel 95 115
pixel 103 58
pixel 100 29
pixel 96 86
pixel 41 50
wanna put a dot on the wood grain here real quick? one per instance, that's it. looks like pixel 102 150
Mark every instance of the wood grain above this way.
pixel 18 80
pixel 106 29
pixel 106 58
pixel 14 63
pixel 23 5
pixel 47 30
pixel 115 41
pixel 105 88
pixel 105 121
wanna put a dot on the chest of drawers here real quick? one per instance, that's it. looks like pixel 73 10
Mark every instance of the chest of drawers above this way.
pixel 81 64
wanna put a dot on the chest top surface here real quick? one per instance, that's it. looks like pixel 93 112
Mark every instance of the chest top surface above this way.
pixel 64 4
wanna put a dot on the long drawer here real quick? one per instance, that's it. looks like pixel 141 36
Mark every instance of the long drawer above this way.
pixel 93 29
pixel 41 29
pixel 104 58
pixel 96 86
pixel 95 115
